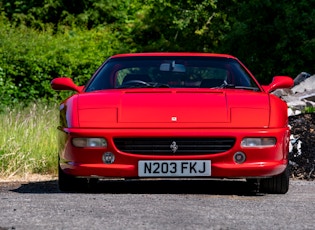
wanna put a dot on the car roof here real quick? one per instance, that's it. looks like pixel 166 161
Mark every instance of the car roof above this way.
pixel 173 54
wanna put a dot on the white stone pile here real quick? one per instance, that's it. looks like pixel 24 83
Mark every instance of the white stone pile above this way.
pixel 300 98
pixel 301 95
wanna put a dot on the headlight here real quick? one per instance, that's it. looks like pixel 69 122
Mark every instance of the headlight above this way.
pixel 91 142
pixel 258 142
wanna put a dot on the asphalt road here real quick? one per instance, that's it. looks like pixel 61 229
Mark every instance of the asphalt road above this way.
pixel 156 205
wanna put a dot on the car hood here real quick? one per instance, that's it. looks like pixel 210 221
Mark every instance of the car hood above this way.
pixel 170 108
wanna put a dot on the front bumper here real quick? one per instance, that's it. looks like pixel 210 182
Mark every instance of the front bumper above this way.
pixel 260 162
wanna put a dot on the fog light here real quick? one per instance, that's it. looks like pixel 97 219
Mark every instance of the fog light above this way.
pixel 90 142
pixel 239 157
pixel 108 158
pixel 258 142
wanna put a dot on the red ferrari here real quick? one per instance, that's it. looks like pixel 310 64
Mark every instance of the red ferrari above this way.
pixel 173 115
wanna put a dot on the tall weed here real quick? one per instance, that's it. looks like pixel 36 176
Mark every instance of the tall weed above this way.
pixel 28 140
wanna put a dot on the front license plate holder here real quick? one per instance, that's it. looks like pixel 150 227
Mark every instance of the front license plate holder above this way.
pixel 169 168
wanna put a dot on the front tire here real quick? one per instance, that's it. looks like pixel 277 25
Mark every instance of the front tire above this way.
pixel 277 184
pixel 68 183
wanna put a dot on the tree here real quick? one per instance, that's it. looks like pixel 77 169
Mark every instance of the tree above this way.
pixel 272 37
pixel 184 25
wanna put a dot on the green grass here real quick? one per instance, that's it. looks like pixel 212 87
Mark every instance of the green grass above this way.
pixel 28 140
pixel 309 109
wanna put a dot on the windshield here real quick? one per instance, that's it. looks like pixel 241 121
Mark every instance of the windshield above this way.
pixel 171 72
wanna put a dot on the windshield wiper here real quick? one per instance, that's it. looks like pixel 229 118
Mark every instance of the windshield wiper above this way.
pixel 225 85
pixel 142 84
pixel 247 88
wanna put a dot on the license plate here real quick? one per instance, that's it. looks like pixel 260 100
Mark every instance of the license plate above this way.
pixel 174 168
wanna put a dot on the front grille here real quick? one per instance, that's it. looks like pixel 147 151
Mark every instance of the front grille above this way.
pixel 174 146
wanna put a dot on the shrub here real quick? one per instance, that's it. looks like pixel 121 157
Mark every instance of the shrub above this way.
pixel 30 59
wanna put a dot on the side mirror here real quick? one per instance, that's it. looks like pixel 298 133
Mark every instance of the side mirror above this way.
pixel 65 83
pixel 279 82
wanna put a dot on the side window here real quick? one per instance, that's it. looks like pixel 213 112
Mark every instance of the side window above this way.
pixel 120 75
pixel 241 77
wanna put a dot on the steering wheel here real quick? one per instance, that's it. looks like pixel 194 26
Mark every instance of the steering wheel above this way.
pixel 135 82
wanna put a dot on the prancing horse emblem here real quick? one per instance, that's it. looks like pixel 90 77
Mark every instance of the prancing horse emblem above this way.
pixel 174 146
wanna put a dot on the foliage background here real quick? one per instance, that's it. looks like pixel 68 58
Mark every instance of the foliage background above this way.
pixel 44 39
